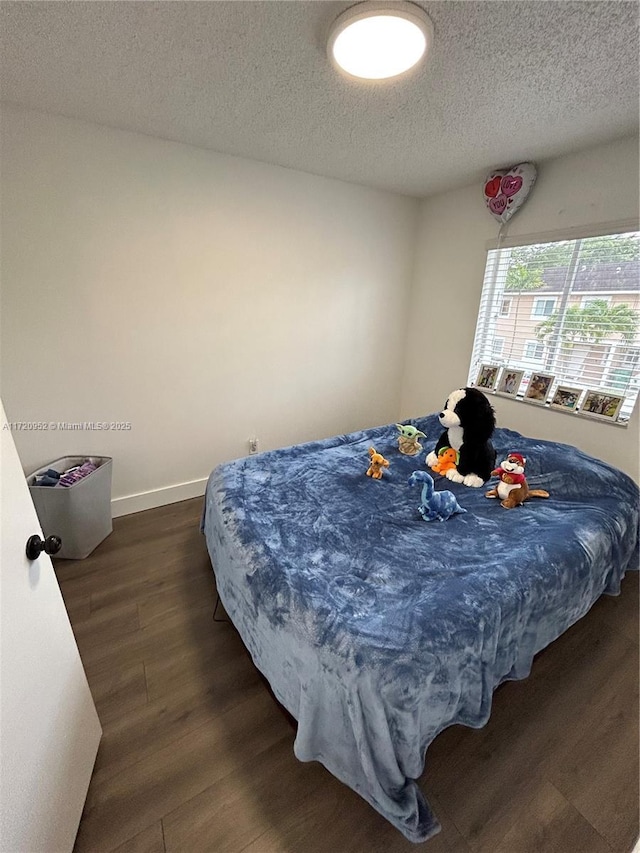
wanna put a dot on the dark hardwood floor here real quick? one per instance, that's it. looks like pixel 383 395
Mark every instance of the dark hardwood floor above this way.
pixel 197 755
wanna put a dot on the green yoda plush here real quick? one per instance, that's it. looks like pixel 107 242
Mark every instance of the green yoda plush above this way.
pixel 408 440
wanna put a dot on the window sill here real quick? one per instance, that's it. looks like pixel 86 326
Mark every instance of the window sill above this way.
pixel 574 414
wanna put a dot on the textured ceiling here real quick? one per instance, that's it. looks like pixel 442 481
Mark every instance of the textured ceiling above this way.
pixel 506 81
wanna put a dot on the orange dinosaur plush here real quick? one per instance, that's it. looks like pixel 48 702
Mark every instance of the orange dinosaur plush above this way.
pixel 378 463
pixel 447 459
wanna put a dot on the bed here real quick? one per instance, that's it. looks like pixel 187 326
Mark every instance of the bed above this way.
pixel 375 629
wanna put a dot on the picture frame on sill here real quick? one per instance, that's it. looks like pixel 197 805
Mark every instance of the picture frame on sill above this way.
pixel 510 381
pixel 602 404
pixel 539 387
pixel 487 377
pixel 566 398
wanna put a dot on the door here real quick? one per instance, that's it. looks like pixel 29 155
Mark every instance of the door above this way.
pixel 49 728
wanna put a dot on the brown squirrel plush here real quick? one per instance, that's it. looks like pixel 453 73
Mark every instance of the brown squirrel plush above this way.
pixel 513 488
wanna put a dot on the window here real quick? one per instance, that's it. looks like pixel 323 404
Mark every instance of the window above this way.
pixel 497 347
pixel 586 301
pixel 505 308
pixel 623 367
pixel 543 307
pixel 569 309
pixel 533 350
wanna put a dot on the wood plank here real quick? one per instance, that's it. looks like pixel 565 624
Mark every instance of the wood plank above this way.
pixel 177 574
pixel 101 628
pixel 551 824
pixel 332 817
pixel 177 595
pixel 78 606
pixel 150 840
pixel 612 804
pixel 153 727
pixel 118 691
pixel 155 528
pixel 223 670
pixel 104 560
pixel 450 837
pixel 619 614
pixel 178 632
pixel 139 573
pixel 232 812
pixel 122 806
pixel 148 728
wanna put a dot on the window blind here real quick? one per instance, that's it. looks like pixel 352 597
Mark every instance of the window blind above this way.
pixel 559 324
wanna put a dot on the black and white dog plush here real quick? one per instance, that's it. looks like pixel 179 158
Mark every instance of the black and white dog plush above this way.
pixel 469 421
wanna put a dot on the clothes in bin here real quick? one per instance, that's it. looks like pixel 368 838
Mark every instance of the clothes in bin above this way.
pixel 51 477
pixel 79 509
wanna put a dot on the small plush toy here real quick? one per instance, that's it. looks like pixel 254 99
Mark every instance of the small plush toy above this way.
pixel 447 459
pixel 408 440
pixel 513 487
pixel 378 463
pixel 435 506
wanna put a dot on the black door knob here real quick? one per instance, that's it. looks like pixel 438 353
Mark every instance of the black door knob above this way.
pixel 36 545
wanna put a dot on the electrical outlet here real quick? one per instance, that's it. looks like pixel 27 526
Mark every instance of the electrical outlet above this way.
pixel 253 446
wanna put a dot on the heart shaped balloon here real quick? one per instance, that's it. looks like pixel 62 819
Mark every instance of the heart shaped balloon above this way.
pixel 506 190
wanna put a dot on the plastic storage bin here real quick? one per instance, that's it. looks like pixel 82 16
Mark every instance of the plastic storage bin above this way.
pixel 80 514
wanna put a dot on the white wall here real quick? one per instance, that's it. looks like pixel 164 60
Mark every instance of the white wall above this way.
pixel 206 298
pixel 588 188
pixel 201 297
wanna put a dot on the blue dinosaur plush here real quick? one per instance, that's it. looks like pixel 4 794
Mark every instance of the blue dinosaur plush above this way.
pixel 435 506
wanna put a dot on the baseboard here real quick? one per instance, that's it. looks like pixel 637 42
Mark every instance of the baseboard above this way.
pixel 157 497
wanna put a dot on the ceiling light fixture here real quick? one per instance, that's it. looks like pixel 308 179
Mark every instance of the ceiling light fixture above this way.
pixel 375 41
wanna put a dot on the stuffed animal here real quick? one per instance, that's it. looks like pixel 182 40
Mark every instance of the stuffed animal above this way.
pixel 408 440
pixel 435 506
pixel 378 463
pixel 447 459
pixel 469 423
pixel 513 487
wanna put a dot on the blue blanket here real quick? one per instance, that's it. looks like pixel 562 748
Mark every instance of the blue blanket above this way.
pixel 376 629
